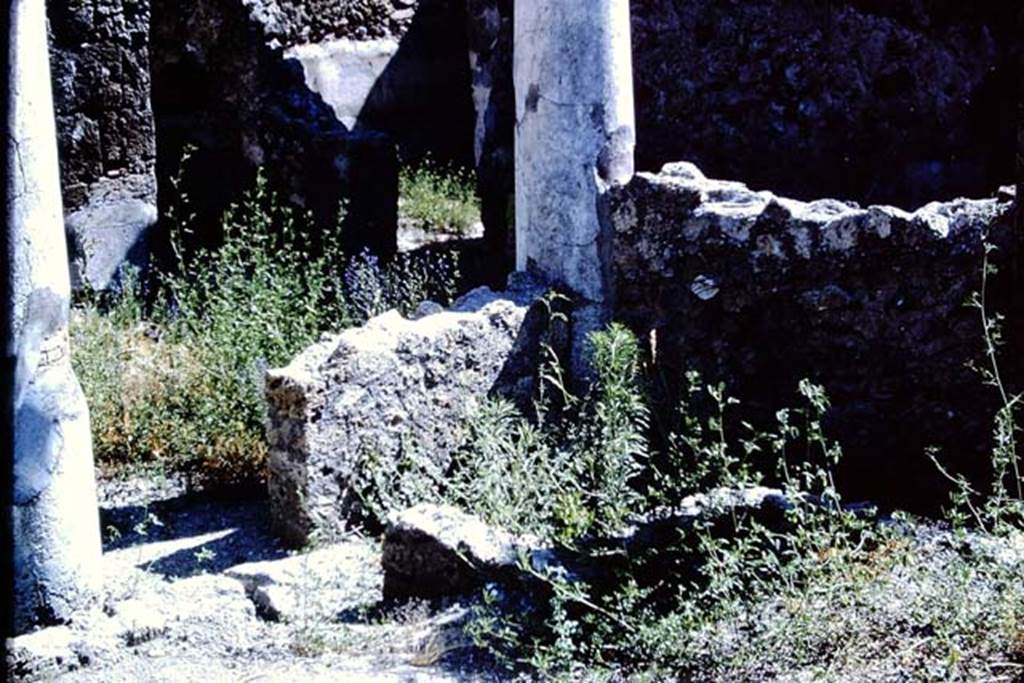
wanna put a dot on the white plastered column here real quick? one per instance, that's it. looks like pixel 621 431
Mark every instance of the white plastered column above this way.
pixel 55 520
pixel 574 139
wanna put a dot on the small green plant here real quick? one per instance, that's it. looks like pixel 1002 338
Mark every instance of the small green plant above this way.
pixel 438 198
pixel 1001 511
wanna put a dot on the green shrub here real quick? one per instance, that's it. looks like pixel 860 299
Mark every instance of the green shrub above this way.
pixel 438 198
pixel 182 387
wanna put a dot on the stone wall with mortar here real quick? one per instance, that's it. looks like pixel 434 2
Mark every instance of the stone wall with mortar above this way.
pixel 760 291
pixel 99 55
pixel 900 102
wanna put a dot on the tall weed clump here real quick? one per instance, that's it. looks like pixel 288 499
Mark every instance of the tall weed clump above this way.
pixel 246 305
pixel 178 384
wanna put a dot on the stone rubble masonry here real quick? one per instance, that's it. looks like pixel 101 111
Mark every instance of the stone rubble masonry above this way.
pixel 100 55
pixel 373 390
pixel 882 102
pixel 761 291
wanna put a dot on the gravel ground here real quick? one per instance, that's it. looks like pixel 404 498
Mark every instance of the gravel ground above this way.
pixel 199 589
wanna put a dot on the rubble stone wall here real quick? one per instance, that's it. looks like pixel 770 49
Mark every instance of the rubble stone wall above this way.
pixel 99 55
pixel 760 291
pixel 899 102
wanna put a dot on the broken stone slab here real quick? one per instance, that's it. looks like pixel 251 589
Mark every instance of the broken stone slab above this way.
pixel 393 383
pixel 324 582
pixel 432 551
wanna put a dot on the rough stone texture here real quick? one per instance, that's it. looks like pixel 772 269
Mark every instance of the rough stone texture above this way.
pixel 432 551
pixel 293 22
pixel 100 55
pixel 370 389
pixel 881 102
pixel 325 106
pixel 760 291
pixel 53 520
pixel 326 581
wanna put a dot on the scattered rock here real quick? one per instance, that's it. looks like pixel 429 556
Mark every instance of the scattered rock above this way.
pixel 323 582
pixel 436 550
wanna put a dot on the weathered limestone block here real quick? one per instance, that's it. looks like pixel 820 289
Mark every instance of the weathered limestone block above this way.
pixel 761 291
pixel 324 582
pixel 433 551
pixel 106 133
pixel 368 390
pixel 54 516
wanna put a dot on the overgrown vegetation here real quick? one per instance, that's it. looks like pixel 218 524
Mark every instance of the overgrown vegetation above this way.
pixel 826 591
pixel 438 198
pixel 178 384
pixel 820 590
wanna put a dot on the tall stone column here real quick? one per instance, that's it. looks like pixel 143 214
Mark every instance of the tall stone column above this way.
pixel 575 134
pixel 54 515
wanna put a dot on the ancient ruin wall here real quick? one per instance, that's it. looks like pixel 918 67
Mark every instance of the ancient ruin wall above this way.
pixel 99 54
pixel 881 102
pixel 875 101
pixel 760 291
pixel 325 95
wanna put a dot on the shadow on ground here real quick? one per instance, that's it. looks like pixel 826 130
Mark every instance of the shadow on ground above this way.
pixel 193 533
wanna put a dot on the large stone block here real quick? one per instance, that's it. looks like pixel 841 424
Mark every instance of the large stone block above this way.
pixel 371 389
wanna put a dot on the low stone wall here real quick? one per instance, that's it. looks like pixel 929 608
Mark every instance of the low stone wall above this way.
pixel 760 291
pixel 368 390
